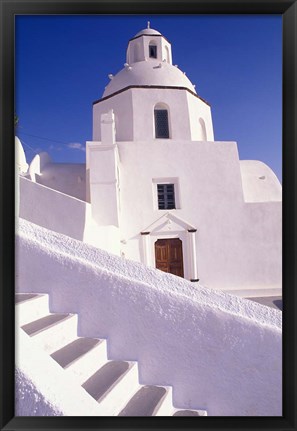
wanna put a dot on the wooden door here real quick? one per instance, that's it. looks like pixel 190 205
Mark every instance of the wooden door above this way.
pixel 169 256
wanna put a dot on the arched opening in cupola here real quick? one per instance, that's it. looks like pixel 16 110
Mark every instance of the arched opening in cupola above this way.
pixel 202 131
pixel 152 49
pixel 167 54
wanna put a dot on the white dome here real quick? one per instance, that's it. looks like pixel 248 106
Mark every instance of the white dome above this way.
pixel 20 156
pixel 151 72
pixel 259 182
pixel 148 31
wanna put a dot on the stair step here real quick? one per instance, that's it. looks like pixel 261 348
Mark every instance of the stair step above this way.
pixel 113 385
pixel 29 307
pixel 145 402
pixel 53 331
pixel 67 354
pixel 105 379
pixel 165 406
pixel 21 297
pixel 82 357
pixel 189 413
pixel 44 323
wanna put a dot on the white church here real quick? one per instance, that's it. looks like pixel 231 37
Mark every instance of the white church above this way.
pixel 157 188
pixel 99 331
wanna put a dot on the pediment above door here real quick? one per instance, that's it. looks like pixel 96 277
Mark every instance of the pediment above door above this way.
pixel 166 223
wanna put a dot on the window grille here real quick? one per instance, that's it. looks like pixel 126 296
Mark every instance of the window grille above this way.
pixel 161 123
pixel 166 198
pixel 153 51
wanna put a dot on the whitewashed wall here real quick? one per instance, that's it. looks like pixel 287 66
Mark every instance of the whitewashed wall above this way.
pixel 65 214
pixel 218 351
pixel 38 163
pixel 259 182
pixel 238 244
pixel 135 119
pixel 199 114
pixel 52 209
pixel 67 178
pixel 122 107
pixel 42 388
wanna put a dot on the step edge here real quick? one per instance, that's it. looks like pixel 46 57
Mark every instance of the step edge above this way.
pixel 76 360
pixel 36 297
pixel 120 378
pixel 39 331
pixel 168 393
pixel 202 412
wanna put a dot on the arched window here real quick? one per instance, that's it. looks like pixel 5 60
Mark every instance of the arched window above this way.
pixel 202 132
pixel 152 50
pixel 161 116
pixel 167 54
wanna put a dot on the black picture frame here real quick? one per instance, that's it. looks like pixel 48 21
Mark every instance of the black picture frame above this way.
pixel 288 10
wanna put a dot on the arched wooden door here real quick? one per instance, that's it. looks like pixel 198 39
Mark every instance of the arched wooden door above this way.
pixel 169 256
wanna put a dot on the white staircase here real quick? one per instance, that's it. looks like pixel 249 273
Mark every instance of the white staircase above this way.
pixel 113 384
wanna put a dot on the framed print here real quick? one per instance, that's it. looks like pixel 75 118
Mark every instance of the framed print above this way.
pixel 148 192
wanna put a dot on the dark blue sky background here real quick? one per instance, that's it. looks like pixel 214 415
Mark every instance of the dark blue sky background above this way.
pixel 63 62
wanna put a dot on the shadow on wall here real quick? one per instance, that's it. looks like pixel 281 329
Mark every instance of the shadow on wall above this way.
pixel 279 304
pixel 269 301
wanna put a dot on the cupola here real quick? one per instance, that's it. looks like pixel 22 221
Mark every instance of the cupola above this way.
pixel 151 98
pixel 148 44
pixel 148 63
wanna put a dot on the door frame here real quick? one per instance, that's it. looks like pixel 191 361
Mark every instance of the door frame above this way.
pixel 148 248
pixel 182 254
pixel 169 226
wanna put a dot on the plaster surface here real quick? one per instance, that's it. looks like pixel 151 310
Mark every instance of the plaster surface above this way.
pixel 42 386
pixel 238 244
pixel 65 214
pixel 152 72
pixel 38 163
pixel 227 345
pixel 259 182
pixel 67 178
pixel 52 209
pixel 185 115
pixel 20 157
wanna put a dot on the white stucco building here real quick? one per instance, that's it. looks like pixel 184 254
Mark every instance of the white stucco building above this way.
pixel 157 188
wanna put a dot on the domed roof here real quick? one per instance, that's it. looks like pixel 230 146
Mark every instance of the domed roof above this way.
pixel 151 72
pixel 148 31
pixel 20 156
pixel 259 182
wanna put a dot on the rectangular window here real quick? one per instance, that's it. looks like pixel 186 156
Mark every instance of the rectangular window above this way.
pixel 166 197
pixel 161 123
pixel 153 51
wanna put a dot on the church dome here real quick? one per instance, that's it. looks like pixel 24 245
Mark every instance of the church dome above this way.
pixel 147 73
pixel 148 63
pixel 148 32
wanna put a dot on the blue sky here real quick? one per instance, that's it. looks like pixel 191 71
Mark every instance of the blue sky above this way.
pixel 63 62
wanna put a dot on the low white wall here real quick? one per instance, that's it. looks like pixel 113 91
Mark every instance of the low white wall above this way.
pixel 219 352
pixel 64 214
pixel 52 209
pixel 67 178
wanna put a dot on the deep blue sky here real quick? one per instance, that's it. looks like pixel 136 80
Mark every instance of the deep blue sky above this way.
pixel 63 62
